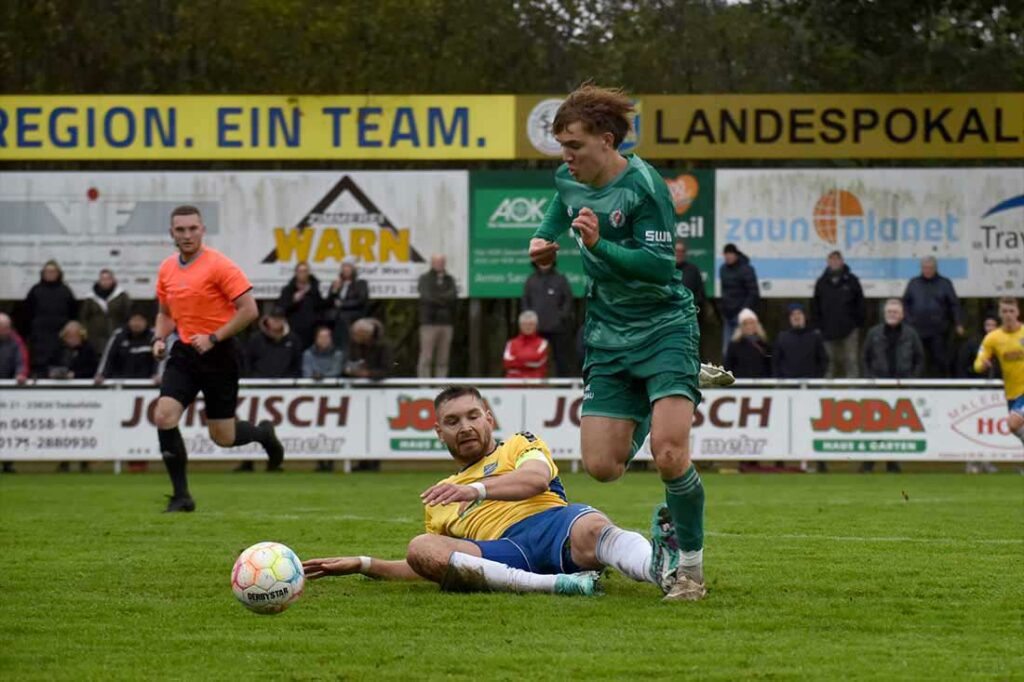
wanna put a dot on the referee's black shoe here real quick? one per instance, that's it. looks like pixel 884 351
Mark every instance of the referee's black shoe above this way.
pixel 180 504
pixel 275 451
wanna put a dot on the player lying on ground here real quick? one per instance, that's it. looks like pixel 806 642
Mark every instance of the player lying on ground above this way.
pixel 642 369
pixel 1006 344
pixel 502 523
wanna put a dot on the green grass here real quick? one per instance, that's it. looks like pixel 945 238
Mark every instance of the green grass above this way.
pixel 826 577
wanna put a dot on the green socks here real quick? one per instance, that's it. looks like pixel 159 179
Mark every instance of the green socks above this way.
pixel 685 499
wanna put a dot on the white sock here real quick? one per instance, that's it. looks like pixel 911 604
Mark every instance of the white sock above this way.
pixel 695 558
pixel 499 577
pixel 627 551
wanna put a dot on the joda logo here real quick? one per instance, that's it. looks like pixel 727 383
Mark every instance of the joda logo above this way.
pixel 418 414
pixel 867 416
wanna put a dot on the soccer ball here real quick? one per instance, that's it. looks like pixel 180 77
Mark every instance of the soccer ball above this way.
pixel 267 577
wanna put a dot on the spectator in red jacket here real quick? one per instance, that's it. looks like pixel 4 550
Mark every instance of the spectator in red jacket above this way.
pixel 526 355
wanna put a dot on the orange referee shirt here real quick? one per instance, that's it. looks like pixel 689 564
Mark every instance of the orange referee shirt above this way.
pixel 200 294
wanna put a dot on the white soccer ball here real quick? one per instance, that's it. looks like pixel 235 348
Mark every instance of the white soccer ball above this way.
pixel 267 577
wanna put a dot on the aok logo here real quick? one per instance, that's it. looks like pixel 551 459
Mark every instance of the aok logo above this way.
pixel 867 416
pixel 418 414
pixel 839 218
pixel 520 212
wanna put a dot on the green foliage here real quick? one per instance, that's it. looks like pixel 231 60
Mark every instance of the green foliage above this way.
pixel 509 46
pixel 824 577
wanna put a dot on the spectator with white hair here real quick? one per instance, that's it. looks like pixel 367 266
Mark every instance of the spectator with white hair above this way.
pixel 932 308
pixel 369 355
pixel 526 354
pixel 438 295
pixel 749 354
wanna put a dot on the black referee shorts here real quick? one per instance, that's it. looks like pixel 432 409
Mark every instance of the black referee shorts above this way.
pixel 214 373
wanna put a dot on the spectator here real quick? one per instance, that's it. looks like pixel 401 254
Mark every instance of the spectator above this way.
pixel 892 350
pixel 438 295
pixel 526 355
pixel 13 352
pixel 105 309
pixel 48 307
pixel 548 294
pixel 275 352
pixel 933 310
pixel 322 360
pixel 73 359
pixel 691 277
pixel 13 362
pixel 838 311
pixel 799 351
pixel 302 303
pixel 129 353
pixel 348 300
pixel 747 355
pixel 369 355
pixel 739 290
pixel 964 368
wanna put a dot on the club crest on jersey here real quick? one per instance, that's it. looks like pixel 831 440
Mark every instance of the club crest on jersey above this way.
pixel 617 217
pixel 489 469
pixel 568 209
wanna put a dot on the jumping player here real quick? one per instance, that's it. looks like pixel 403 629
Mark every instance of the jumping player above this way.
pixel 208 300
pixel 642 368
pixel 1006 344
pixel 502 523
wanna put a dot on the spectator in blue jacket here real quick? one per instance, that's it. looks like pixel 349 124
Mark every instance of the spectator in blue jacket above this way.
pixel 933 310
pixel 322 360
pixel 739 290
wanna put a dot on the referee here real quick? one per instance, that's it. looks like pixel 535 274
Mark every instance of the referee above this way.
pixel 209 300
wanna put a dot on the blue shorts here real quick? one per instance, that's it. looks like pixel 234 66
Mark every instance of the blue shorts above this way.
pixel 1016 405
pixel 539 543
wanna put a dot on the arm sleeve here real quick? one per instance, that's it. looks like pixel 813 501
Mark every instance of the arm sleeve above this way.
pixel 986 351
pixel 107 359
pixel 231 280
pixel 918 369
pixel 307 365
pixel 753 297
pixel 865 356
pixel 508 358
pixel 956 312
pixel 21 361
pixel 556 220
pixel 653 261
pixel 859 313
pixel 777 359
pixel 539 357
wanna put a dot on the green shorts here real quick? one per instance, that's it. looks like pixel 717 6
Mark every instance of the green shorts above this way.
pixel 625 383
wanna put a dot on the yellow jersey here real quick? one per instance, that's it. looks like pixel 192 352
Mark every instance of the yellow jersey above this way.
pixel 1008 348
pixel 489 519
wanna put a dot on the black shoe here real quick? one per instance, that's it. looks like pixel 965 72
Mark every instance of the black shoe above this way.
pixel 83 468
pixel 243 466
pixel 180 504
pixel 822 468
pixel 8 468
pixel 893 468
pixel 63 467
pixel 275 451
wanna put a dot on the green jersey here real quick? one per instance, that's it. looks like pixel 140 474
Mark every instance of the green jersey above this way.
pixel 634 291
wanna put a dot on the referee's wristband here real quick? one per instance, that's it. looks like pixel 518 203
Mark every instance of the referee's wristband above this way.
pixel 481 491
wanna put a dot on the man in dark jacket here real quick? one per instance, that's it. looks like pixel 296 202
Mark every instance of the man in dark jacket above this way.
pixel 933 310
pixel 838 312
pixel 348 301
pixel 548 294
pixel 301 301
pixel 739 290
pixel 129 353
pixel 275 352
pixel 438 295
pixel 48 307
pixel 892 350
pixel 105 309
pixel 799 351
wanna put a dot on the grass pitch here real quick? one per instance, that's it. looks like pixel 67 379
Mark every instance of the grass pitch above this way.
pixel 826 577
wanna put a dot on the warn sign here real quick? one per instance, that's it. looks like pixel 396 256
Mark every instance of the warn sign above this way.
pixel 867 416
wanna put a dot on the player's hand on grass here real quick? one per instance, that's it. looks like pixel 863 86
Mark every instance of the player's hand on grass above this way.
pixel 586 223
pixel 446 493
pixel 542 252
pixel 337 565
pixel 159 349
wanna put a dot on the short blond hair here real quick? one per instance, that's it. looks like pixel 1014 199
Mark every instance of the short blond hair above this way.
pixel 73 325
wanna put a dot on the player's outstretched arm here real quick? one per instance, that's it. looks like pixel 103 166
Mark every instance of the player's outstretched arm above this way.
pixel 379 569
pixel 531 478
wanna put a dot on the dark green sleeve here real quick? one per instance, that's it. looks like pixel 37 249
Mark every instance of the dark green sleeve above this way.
pixel 653 261
pixel 556 220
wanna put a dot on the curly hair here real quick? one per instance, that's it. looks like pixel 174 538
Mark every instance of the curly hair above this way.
pixel 600 110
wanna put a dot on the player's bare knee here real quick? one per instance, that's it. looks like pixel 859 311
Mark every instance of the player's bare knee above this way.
pixel 671 456
pixel 605 471
pixel 1015 422
pixel 583 542
pixel 166 416
pixel 427 557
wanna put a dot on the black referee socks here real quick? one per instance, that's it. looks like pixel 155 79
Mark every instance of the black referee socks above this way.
pixel 172 448
pixel 246 433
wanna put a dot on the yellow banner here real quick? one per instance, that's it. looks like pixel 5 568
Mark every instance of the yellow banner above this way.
pixel 908 126
pixel 136 127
